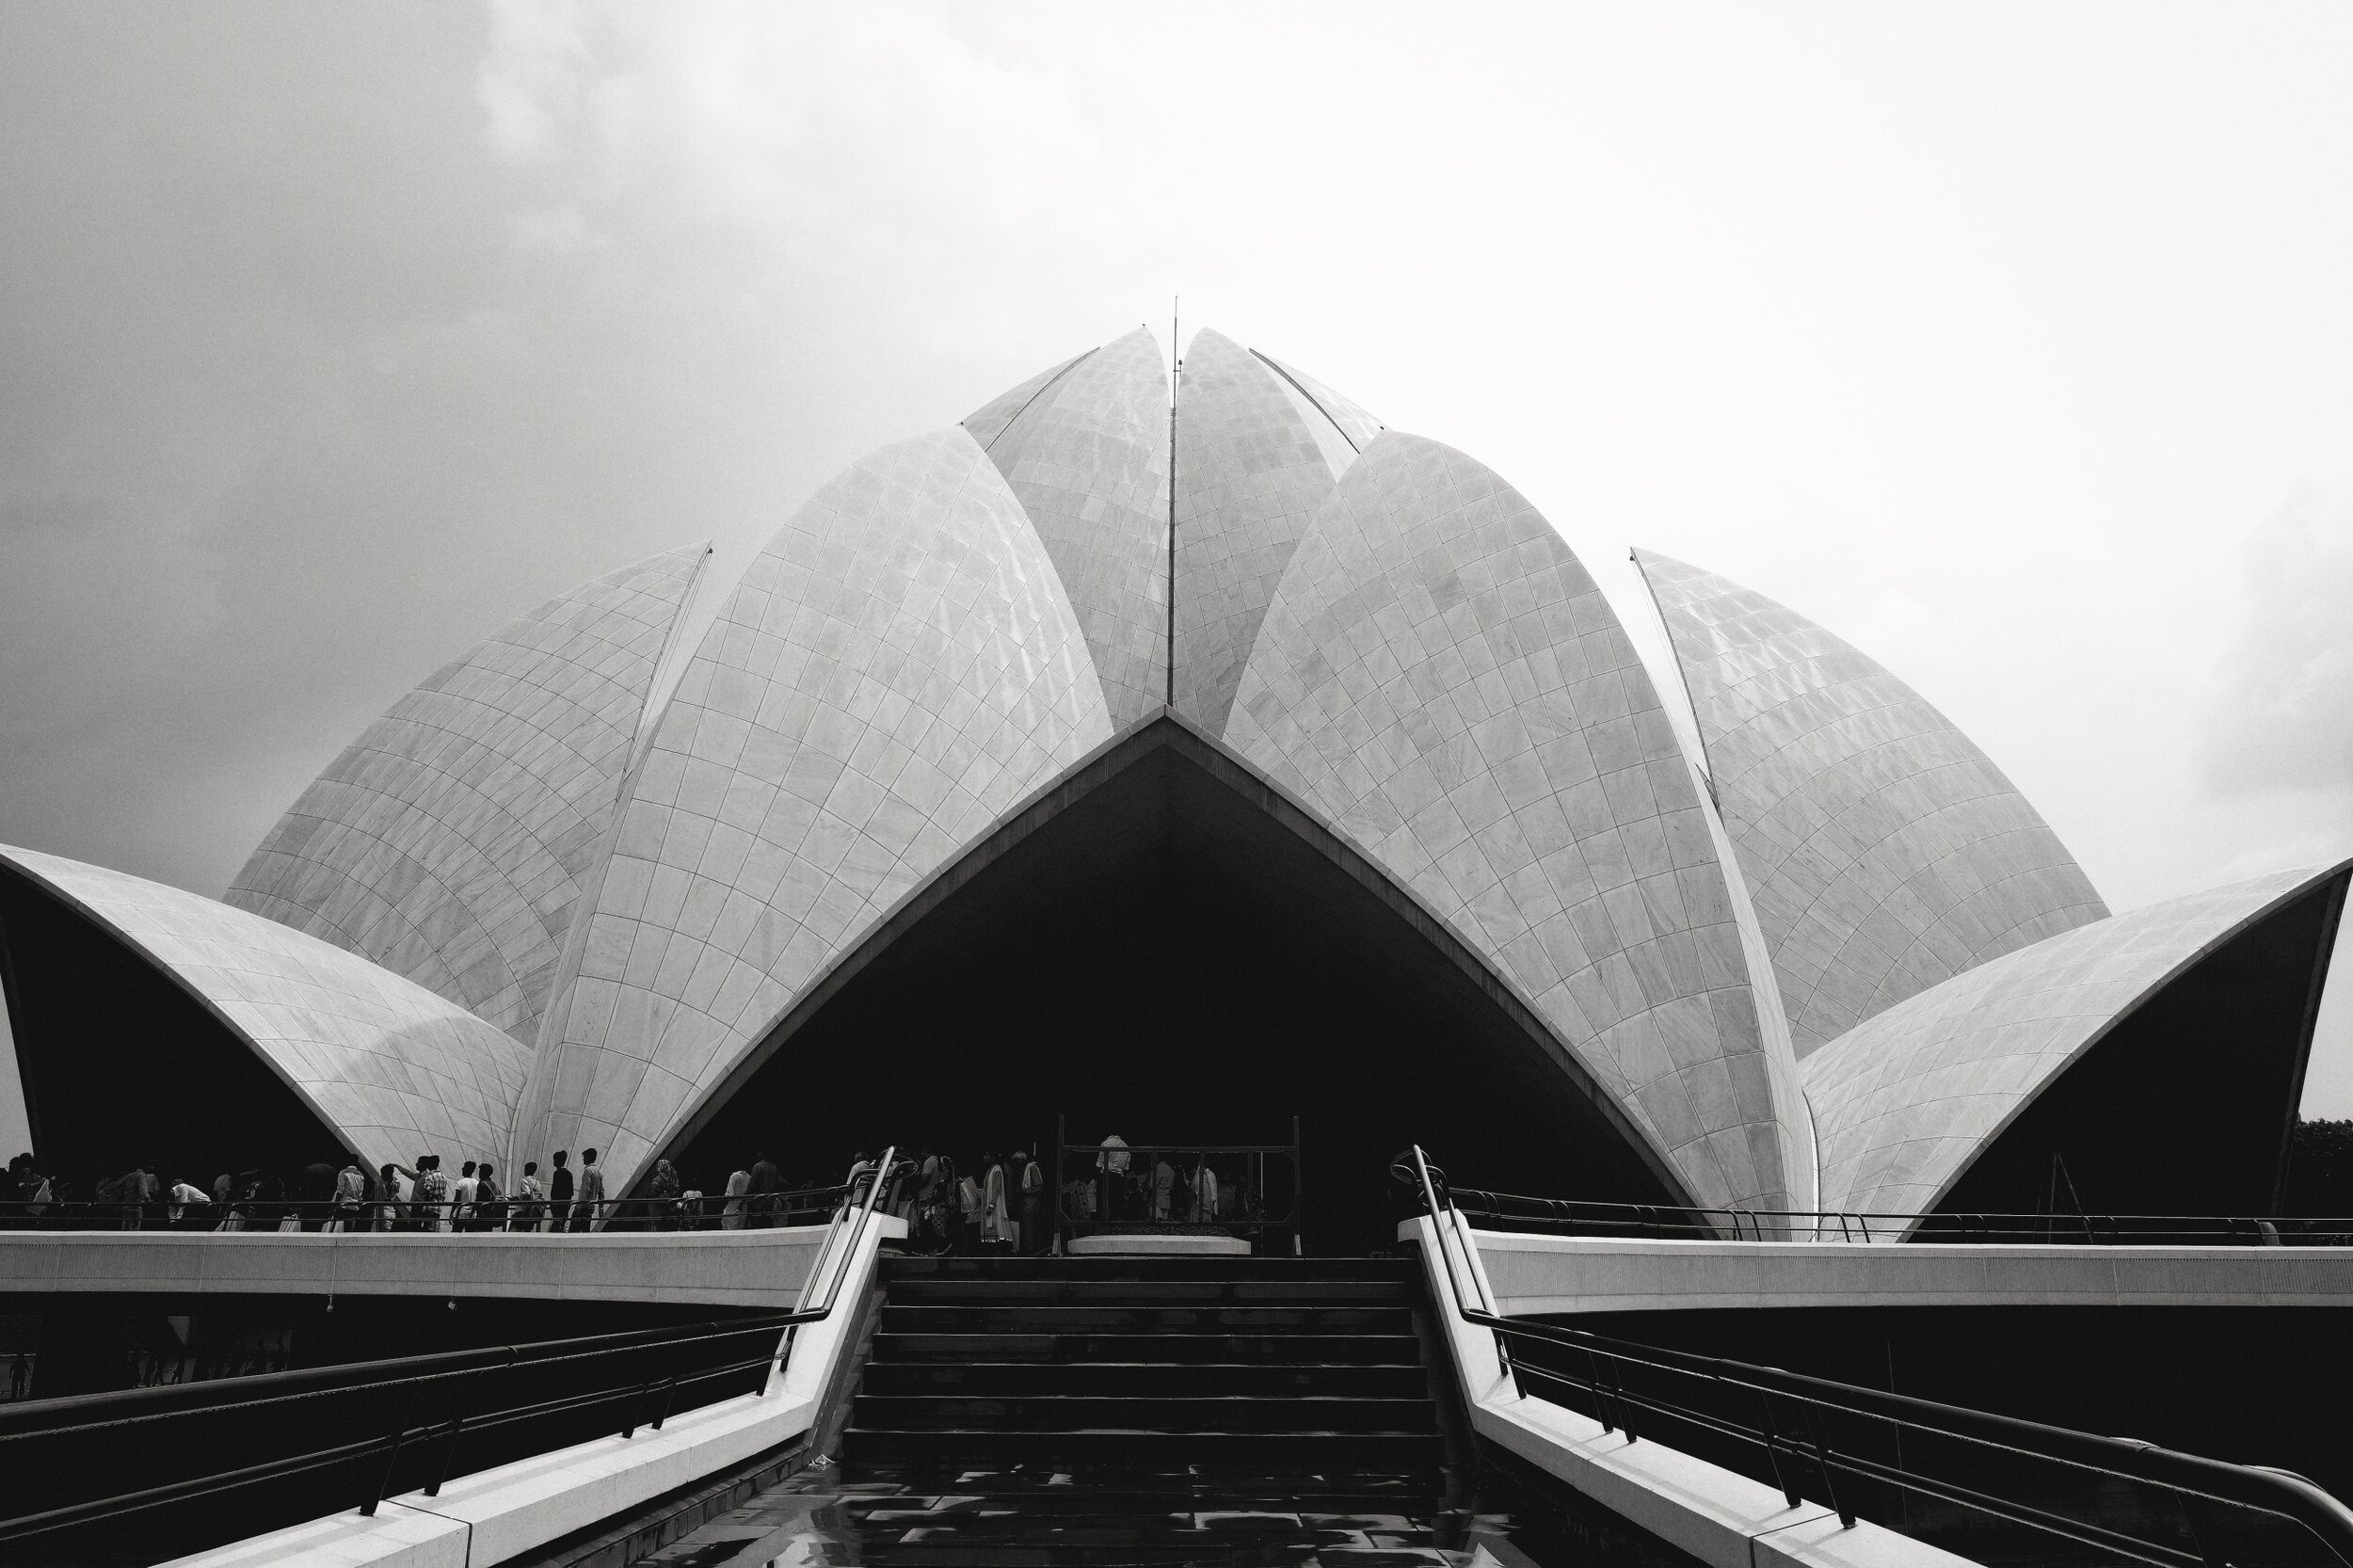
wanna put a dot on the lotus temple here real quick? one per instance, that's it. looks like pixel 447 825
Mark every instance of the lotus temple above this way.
pixel 1179 774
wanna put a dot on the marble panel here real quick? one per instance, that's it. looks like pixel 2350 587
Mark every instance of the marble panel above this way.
pixel 1903 1102
pixel 1883 851
pixel 451 840
pixel 897 668
pixel 1087 455
pixel 391 1066
pixel 1440 676
pixel 1250 473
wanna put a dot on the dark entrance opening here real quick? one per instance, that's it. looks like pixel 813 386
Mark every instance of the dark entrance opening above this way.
pixel 1167 949
pixel 122 1067
pixel 2186 1106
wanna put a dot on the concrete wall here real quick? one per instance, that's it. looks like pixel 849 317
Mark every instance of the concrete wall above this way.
pixel 725 1268
pixel 1533 1274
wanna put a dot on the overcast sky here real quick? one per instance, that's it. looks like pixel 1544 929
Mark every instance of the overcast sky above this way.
pixel 2014 344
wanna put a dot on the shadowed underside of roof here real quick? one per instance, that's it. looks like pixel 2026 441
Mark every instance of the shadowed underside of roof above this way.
pixel 1906 1102
pixel 393 1066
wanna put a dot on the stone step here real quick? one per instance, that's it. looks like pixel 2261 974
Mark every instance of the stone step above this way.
pixel 1171 1320
pixel 1145 1267
pixel 870 1454
pixel 978 1291
pixel 1144 1379
pixel 1011 1497
pixel 1209 1548
pixel 894 1345
pixel 1207 1416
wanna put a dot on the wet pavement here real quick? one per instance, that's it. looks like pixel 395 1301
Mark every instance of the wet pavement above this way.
pixel 1006 1519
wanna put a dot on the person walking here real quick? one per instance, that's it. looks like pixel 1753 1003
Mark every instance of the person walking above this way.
pixel 490 1202
pixel 428 1196
pixel 760 1192
pixel 389 1211
pixel 461 1198
pixel 662 1189
pixel 589 1208
pixel 530 1199
pixel 1029 1183
pixel 188 1202
pixel 1163 1190
pixel 351 1191
pixel 1204 1193
pixel 732 1212
pixel 1111 1165
pixel 559 1193
pixel 318 1194
pixel 996 1222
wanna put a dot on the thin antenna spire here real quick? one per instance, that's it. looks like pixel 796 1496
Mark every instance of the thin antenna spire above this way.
pixel 1175 354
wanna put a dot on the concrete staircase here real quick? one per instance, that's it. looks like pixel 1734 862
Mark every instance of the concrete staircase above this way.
pixel 1109 1409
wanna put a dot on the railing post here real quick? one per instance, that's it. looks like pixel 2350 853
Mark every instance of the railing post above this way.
pixel 1821 1462
pixel 449 1450
pixel 392 1454
pixel 1772 1448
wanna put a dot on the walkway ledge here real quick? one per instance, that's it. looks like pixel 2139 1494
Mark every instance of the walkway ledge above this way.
pixel 497 1515
pixel 1719 1516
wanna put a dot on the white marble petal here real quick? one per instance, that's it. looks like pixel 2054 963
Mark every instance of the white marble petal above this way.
pixel 393 1066
pixel 1904 1101
pixel 450 841
pixel 1440 676
pixel 1885 851
pixel 1087 455
pixel 896 670
pixel 1252 471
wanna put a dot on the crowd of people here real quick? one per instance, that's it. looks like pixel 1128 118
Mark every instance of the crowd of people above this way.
pixel 423 1196
pixel 996 1203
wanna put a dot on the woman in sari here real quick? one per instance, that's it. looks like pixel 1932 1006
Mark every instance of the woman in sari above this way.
pixel 995 1221
pixel 662 1189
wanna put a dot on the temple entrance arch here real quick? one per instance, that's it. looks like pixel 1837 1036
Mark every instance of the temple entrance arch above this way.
pixel 1167 947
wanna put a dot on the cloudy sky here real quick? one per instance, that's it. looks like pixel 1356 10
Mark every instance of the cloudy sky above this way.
pixel 2014 343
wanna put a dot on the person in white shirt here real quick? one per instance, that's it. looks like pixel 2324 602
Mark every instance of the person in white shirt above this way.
pixel 1112 1168
pixel 461 1198
pixel 1204 1193
pixel 186 1198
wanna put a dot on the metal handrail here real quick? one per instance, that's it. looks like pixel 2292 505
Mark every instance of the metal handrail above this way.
pixel 260 1216
pixel 1592 1216
pixel 425 1375
pixel 2191 1479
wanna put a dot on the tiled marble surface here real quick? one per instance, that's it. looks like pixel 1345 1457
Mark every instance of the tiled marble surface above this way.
pixel 1902 1102
pixel 897 668
pixel 1355 426
pixel 1250 473
pixel 988 421
pixel 449 844
pixel 1088 458
pixel 394 1067
pixel 1885 851
pixel 1441 677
